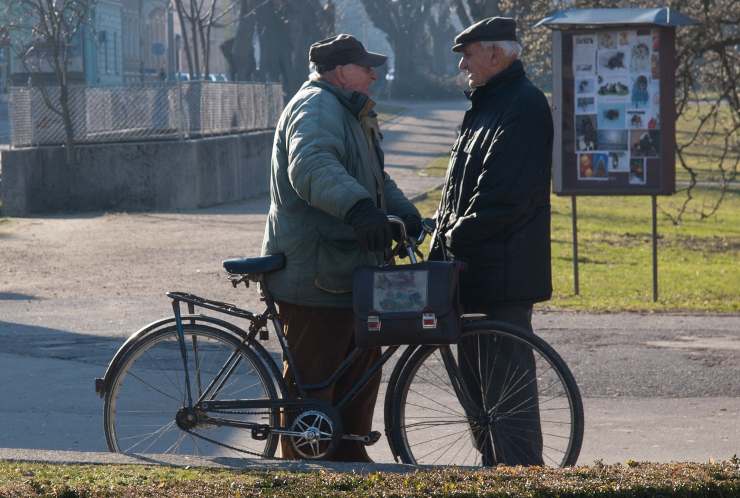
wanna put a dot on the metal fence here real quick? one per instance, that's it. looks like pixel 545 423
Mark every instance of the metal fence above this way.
pixel 143 112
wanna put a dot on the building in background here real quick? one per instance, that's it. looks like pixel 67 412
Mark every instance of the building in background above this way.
pixel 4 56
pixel 224 28
pixel 130 42
pixel 4 65
pixel 103 59
pixel 94 56
pixel 146 45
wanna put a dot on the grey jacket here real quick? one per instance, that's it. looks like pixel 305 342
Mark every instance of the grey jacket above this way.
pixel 321 167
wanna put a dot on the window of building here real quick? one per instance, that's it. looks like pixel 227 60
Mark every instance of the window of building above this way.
pixel 115 51
pixel 103 44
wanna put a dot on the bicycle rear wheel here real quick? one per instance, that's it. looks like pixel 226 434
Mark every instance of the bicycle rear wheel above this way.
pixel 500 395
pixel 148 389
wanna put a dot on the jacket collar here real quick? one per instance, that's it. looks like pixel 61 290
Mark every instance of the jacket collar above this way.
pixel 357 103
pixel 514 72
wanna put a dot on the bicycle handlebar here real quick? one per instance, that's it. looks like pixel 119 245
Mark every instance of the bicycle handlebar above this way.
pixel 410 244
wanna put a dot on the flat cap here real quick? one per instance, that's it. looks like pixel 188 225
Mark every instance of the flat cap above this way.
pixel 343 49
pixel 491 29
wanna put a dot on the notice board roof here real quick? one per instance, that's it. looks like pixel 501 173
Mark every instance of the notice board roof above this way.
pixel 663 16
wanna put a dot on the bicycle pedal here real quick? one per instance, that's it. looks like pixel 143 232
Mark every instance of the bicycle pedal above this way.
pixel 368 440
pixel 373 438
pixel 264 335
pixel 261 432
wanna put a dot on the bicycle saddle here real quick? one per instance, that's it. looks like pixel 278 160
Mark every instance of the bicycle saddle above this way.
pixel 250 266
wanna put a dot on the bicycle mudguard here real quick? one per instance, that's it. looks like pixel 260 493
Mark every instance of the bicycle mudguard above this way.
pixel 478 323
pixel 102 384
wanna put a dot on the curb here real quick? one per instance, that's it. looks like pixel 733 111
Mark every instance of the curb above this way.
pixel 248 464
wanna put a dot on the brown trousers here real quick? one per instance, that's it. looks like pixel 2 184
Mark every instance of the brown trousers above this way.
pixel 319 340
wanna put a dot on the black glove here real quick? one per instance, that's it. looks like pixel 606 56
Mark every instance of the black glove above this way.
pixel 413 225
pixel 370 225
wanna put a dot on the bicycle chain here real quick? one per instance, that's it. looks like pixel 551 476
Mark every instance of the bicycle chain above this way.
pixel 247 452
pixel 238 412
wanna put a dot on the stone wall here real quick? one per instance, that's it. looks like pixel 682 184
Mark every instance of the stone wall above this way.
pixel 144 176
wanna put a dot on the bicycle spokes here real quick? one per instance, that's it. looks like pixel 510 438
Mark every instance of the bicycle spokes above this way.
pixel 147 406
pixel 492 398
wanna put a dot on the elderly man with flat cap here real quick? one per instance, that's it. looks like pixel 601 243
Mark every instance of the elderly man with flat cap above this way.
pixel 329 196
pixel 494 215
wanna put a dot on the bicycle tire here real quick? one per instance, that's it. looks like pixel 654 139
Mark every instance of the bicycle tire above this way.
pixel 432 426
pixel 157 392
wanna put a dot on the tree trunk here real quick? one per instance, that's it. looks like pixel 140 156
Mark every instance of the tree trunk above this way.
pixel 481 9
pixel 185 42
pixel 407 82
pixel 69 131
pixel 195 73
pixel 273 41
pixel 243 60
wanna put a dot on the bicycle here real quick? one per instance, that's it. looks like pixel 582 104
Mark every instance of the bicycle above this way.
pixel 199 384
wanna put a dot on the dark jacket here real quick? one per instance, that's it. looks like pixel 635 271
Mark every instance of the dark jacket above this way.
pixel 495 208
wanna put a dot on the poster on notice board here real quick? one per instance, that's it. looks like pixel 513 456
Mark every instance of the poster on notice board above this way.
pixel 617 104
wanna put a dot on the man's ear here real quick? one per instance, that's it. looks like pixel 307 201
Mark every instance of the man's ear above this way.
pixel 339 74
pixel 495 55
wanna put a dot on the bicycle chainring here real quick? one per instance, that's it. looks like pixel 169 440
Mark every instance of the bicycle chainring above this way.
pixel 321 432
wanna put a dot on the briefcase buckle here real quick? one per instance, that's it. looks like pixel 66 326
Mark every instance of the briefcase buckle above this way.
pixel 428 321
pixel 373 323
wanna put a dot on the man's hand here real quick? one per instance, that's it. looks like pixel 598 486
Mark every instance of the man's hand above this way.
pixel 413 225
pixel 448 240
pixel 371 226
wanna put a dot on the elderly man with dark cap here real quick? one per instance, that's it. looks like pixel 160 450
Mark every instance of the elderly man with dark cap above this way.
pixel 329 196
pixel 494 215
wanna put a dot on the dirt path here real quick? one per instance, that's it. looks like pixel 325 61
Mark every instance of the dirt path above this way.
pixel 121 264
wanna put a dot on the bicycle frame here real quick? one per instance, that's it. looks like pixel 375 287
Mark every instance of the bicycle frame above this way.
pixel 257 324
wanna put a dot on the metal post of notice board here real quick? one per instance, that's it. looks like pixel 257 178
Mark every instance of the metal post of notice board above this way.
pixel 655 247
pixel 574 216
pixel 574 220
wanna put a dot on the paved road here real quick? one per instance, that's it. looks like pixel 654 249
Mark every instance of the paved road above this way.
pixel 414 139
pixel 657 387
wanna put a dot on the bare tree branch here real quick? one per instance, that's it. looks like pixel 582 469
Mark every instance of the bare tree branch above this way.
pixel 42 34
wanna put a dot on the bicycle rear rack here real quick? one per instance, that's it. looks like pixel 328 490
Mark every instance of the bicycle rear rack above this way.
pixel 258 322
pixel 221 307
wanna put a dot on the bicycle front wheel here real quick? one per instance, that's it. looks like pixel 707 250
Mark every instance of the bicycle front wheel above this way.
pixel 501 395
pixel 148 390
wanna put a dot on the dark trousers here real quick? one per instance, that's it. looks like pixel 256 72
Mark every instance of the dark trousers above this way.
pixel 319 340
pixel 500 377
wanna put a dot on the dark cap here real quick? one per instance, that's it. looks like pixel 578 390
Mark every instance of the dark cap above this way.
pixel 343 49
pixel 491 29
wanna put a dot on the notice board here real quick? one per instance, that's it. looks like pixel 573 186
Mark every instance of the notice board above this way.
pixel 613 103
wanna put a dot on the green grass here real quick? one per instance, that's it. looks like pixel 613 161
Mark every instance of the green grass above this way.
pixel 437 167
pixel 698 268
pixel 705 153
pixel 633 479
pixel 698 260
